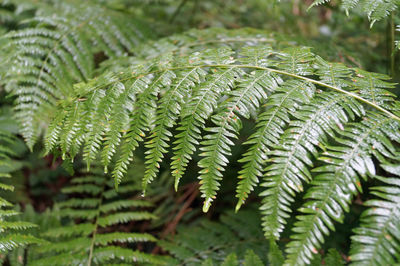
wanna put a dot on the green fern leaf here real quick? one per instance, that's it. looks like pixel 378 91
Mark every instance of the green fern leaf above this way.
pixel 143 116
pixel 252 259
pixel 293 126
pixel 12 235
pixel 275 255
pixel 93 208
pixel 333 258
pixel 374 87
pixel 103 109
pixel 333 189
pixel 376 240
pixel 215 147
pixel 120 237
pixel 195 113
pixel 55 51
pixel 292 158
pixel 13 241
pixel 319 2
pixel 270 126
pixel 231 260
pixel 167 113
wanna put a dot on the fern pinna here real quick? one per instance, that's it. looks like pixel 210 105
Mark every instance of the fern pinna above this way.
pixel 94 231
pixel 56 48
pixel 11 232
pixel 304 108
pixel 376 241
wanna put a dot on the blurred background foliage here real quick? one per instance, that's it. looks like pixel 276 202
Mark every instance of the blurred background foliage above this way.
pixel 326 28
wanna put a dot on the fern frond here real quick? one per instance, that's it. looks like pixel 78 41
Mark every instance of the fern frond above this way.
pixel 334 258
pixel 320 2
pixel 302 105
pixel 97 129
pixel 374 87
pixel 94 207
pixel 231 260
pixel 55 51
pixel 252 259
pixel 339 180
pixel 143 117
pixel 377 239
pixel 12 235
pixel 244 98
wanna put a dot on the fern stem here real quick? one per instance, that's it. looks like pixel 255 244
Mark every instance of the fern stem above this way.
pixel 96 225
pixel 92 244
pixel 328 86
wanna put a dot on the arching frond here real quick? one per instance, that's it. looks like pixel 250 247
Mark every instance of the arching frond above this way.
pixel 240 100
pixel 304 107
pixel 57 48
